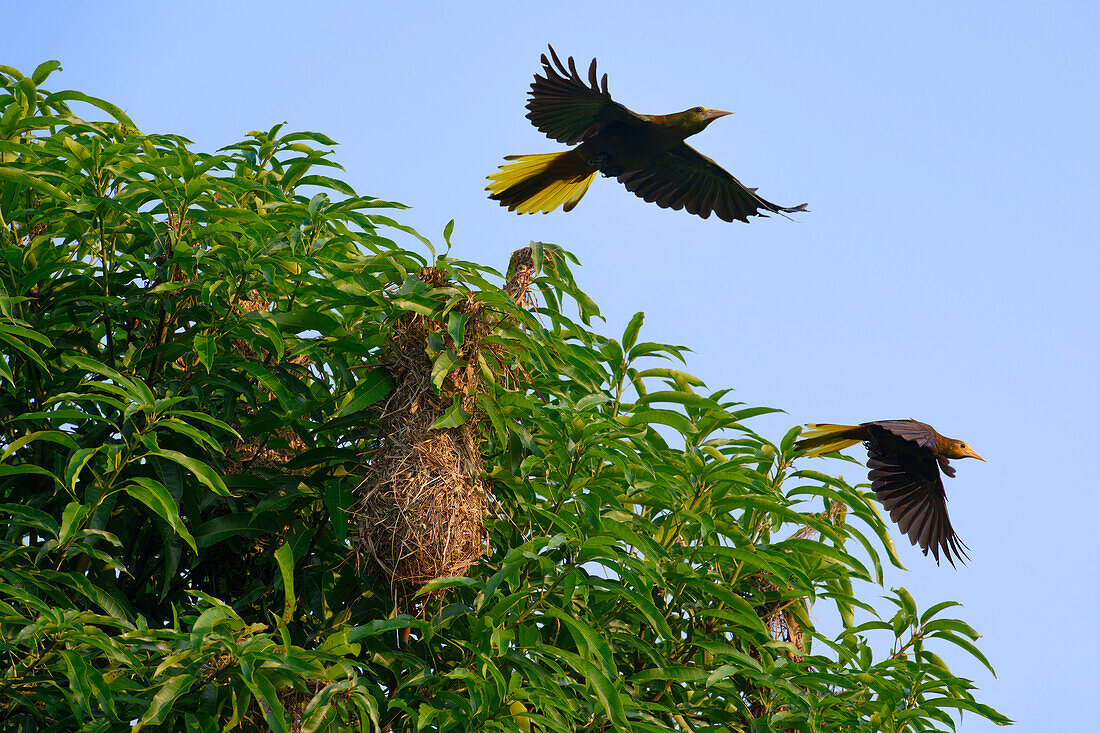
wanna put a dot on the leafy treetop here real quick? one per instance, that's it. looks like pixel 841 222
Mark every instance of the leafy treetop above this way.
pixel 190 384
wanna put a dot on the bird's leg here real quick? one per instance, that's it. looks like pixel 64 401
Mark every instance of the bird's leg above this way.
pixel 602 162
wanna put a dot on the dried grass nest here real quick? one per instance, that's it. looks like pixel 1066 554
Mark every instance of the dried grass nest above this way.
pixel 422 502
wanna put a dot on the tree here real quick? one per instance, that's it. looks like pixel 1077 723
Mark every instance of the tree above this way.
pixel 262 467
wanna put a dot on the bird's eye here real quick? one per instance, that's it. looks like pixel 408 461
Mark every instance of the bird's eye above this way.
pixel 698 110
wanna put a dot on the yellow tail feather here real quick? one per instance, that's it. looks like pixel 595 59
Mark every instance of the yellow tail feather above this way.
pixel 541 182
pixel 822 438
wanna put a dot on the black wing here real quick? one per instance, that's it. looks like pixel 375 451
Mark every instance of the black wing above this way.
pixel 684 178
pixel 914 431
pixel 567 109
pixel 911 490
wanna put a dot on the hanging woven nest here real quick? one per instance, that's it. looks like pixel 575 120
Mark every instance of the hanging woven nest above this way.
pixel 422 501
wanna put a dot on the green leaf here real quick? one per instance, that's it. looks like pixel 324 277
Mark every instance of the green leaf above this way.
pixel 164 699
pixel 452 417
pixel 27 469
pixel 587 639
pixel 381 626
pixel 25 180
pixel 496 417
pixel 104 105
pixel 376 385
pixel 684 675
pixel 630 335
pixel 284 556
pixel 267 696
pixel 688 399
pixel 592 400
pixel 219 529
pixel 934 609
pixel 950 624
pixel 606 694
pixel 54 436
pixel 135 389
pixel 207 476
pixel 204 347
pixel 338 502
pixel 77 462
pixel 36 518
pixel 71 520
pixel 967 646
pixel 907 602
pixel 456 326
pixel 677 377
pixel 152 494
pixel 200 437
pixel 43 71
pixel 269 382
pixel 262 322
pixel 447 231
pixel 442 365
pixel 970 705
pixel 14 336
pixel 650 416
pixel 448 582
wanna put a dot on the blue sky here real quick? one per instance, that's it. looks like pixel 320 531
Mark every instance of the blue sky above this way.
pixel 947 269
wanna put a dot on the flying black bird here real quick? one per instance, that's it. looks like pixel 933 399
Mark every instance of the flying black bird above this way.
pixel 905 458
pixel 646 153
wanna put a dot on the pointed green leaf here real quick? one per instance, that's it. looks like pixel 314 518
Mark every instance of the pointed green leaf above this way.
pixel 453 417
pixel 152 494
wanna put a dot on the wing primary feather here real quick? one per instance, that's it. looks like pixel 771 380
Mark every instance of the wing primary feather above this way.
pixel 706 199
pixel 557 61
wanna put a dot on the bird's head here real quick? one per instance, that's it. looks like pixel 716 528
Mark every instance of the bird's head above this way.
pixel 697 118
pixel 958 449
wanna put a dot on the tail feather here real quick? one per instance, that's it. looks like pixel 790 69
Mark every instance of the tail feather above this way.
pixel 541 182
pixel 822 438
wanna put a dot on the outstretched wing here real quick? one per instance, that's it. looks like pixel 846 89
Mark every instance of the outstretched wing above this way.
pixel 912 430
pixel 567 109
pixel 911 490
pixel 684 178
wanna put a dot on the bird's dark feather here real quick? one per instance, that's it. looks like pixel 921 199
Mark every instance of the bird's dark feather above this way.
pixel 566 109
pixel 684 178
pixel 911 490
pixel 912 430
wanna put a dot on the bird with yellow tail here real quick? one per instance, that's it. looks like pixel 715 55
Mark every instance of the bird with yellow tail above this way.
pixel 905 458
pixel 646 153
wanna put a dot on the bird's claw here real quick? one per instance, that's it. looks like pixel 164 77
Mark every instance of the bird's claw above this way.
pixel 602 163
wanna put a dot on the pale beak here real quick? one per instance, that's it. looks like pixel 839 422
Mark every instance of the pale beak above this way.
pixel 713 114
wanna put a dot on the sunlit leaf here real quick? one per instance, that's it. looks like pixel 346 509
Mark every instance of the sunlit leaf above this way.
pixel 152 494
pixel 452 417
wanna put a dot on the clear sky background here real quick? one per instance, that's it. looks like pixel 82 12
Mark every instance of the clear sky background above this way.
pixel 947 271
